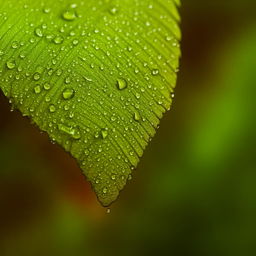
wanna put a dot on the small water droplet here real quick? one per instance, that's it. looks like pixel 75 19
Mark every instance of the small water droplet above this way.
pixel 104 134
pixel 15 45
pixel 137 116
pixel 58 40
pixel 121 83
pixel 38 32
pixel 105 190
pixel 47 86
pixel 52 108
pixel 69 15
pixel 68 93
pixel 113 11
pixel 73 132
pixel 155 72
pixel 10 64
pixel 36 76
pixel 37 89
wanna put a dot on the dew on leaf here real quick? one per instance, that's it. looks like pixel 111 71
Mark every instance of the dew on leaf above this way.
pixel 15 45
pixel 137 116
pixel 69 130
pixel 52 108
pixel 38 32
pixel 47 86
pixel 58 40
pixel 69 15
pixel 37 89
pixel 155 72
pixel 104 134
pixel 121 83
pixel 10 64
pixel 68 93
pixel 36 76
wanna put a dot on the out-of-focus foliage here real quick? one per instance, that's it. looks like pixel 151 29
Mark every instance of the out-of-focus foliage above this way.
pixel 194 192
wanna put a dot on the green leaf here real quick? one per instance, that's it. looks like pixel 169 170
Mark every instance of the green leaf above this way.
pixel 96 75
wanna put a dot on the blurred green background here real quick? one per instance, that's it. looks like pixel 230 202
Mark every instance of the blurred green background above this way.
pixel 194 192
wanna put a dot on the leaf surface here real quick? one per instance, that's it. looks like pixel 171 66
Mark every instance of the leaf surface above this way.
pixel 96 75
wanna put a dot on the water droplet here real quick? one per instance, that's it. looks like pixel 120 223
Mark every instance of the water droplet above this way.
pixel 137 116
pixel 104 134
pixel 39 32
pixel 137 95
pixel 67 80
pixel 113 10
pixel 37 89
pixel 68 93
pixel 36 76
pixel 105 190
pixel 15 45
pixel 52 108
pixel 108 211
pixel 73 132
pixel 155 72
pixel 75 42
pixel 47 86
pixel 69 15
pixel 58 40
pixel 121 84
pixel 10 64
pixel 46 10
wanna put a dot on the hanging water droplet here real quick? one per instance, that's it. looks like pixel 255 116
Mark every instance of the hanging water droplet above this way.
pixel 68 93
pixel 121 83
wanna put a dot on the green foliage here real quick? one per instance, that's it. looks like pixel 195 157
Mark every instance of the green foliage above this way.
pixel 97 76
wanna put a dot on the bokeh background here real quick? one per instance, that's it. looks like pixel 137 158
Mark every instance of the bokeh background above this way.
pixel 194 192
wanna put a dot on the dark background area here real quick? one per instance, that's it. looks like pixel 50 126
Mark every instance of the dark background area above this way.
pixel 194 192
